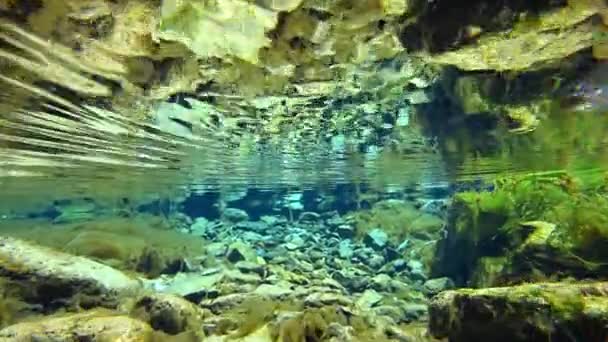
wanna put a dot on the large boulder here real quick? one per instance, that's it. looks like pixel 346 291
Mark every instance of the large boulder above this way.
pixel 527 229
pixel 54 279
pixel 531 312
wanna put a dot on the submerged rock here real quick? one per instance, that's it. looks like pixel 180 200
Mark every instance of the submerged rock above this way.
pixel 235 215
pixel 436 285
pixel 50 277
pixel 88 326
pixel 376 239
pixel 240 251
pixel 531 312
pixel 168 313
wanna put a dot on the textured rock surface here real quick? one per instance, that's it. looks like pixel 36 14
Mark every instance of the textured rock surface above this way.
pixel 90 326
pixel 47 276
pixel 532 312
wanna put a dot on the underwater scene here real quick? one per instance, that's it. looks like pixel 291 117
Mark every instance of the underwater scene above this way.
pixel 303 170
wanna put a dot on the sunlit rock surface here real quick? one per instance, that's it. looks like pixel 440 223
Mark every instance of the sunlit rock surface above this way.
pixel 94 326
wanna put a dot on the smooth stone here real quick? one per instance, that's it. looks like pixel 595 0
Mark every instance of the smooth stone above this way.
pixel 382 282
pixel 436 285
pixel 291 246
pixel 242 278
pixel 376 239
pixel 296 240
pixel 306 266
pixel 414 311
pixel 399 265
pixel 239 251
pixel 235 215
pixel 250 267
pixel 368 299
pixel 184 284
pixel 391 254
pixel 254 226
pixel 273 220
pixel 39 269
pixel 216 249
pixel 416 269
pixel 253 237
pixel 320 299
pixel 376 261
pixel 280 290
pixel 345 231
pixel 345 250
pixel 391 311
pixel 309 216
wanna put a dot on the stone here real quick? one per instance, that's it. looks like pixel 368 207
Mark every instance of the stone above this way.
pixel 416 269
pixel 345 231
pixel 168 313
pixel 199 227
pixel 278 291
pixel 294 242
pixel 436 285
pixel 391 311
pixel 320 299
pixel 87 326
pixel 391 254
pixel 38 270
pixel 226 302
pixel 528 312
pixel 309 216
pixel 376 239
pixel 253 226
pixel 216 249
pixel 273 220
pixel 368 299
pixel 414 311
pixel 335 221
pixel 239 251
pixel 234 276
pixel 185 284
pixel 382 282
pixel 399 265
pixel 235 215
pixel 345 249
pixel 376 261
pixel 250 267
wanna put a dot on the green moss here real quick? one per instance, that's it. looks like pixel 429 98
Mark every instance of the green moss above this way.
pixel 399 220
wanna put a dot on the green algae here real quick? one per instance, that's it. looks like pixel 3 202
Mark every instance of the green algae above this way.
pixel 534 227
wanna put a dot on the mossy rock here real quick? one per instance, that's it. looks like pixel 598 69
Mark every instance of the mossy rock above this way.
pixel 529 312
pixel 527 229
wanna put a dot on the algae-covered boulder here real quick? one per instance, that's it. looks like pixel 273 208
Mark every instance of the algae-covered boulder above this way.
pixel 531 312
pixel 527 229
pixel 54 279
